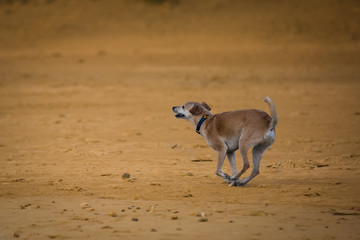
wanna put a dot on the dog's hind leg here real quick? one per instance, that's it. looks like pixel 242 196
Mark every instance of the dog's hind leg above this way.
pixel 232 161
pixel 257 151
pixel 246 165
pixel 243 148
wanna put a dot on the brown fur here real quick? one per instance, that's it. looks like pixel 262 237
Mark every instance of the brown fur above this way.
pixel 228 131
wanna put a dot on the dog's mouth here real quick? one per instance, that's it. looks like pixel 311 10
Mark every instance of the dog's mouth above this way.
pixel 179 115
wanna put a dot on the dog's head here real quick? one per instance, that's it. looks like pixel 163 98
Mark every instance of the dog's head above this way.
pixel 191 109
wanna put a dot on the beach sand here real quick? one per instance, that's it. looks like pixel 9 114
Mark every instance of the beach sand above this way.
pixel 86 91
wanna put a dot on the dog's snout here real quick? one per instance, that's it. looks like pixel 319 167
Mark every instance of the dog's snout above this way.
pixel 174 109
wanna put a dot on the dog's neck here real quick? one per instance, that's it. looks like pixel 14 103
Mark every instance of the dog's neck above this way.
pixel 199 120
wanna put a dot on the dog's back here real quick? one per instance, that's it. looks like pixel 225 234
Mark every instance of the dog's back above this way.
pixel 232 124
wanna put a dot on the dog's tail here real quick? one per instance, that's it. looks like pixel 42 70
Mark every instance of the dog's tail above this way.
pixel 274 117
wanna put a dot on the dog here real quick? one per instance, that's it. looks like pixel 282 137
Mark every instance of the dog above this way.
pixel 229 131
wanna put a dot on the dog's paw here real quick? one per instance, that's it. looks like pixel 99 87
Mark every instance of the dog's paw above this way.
pixel 227 176
pixel 236 183
pixel 232 184
pixel 233 179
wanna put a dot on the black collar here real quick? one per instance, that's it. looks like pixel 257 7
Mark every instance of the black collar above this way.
pixel 202 120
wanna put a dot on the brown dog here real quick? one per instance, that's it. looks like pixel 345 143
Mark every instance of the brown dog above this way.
pixel 228 131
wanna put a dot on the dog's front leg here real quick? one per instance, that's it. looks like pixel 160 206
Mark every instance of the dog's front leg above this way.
pixel 221 159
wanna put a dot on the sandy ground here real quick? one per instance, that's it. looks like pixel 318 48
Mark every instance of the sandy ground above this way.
pixel 86 90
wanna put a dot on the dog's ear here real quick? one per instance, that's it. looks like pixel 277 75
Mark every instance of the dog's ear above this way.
pixel 195 110
pixel 204 104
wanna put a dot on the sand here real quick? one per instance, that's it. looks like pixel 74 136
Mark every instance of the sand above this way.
pixel 86 91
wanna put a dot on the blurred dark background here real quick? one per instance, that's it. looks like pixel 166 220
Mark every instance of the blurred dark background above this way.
pixel 29 23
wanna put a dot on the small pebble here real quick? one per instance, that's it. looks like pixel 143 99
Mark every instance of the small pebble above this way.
pixel 125 176
pixel 203 219
pixel 174 218
pixel 112 214
pixel 106 227
pixel 26 206
pixel 84 205
pixel 153 230
pixel 134 219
